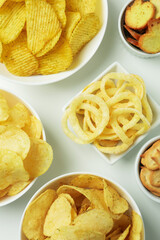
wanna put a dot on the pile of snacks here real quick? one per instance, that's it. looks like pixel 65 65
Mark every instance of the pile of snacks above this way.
pixel 150 168
pixel 87 208
pixel 23 154
pixel 110 113
pixel 142 22
pixel 42 37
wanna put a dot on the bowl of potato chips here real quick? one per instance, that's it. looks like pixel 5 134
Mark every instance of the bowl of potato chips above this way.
pixel 113 113
pixel 81 206
pixel 24 152
pixel 46 41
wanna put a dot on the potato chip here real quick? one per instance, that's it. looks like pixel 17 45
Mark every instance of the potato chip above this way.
pixel 58 215
pixel 84 31
pixel 35 215
pixel 125 233
pixel 87 181
pixel 71 232
pixel 42 24
pixel 17 187
pixel 33 128
pixel 114 234
pixel 70 200
pixel 16 140
pixel 4 109
pixel 72 20
pixel 4 192
pixel 136 228
pixel 49 45
pixel 2 2
pixel 18 59
pixel 11 168
pixel 85 205
pixel 19 116
pixel 98 219
pixel 1 48
pixel 82 6
pixel 13 18
pixel 122 223
pixel 57 60
pixel 59 7
pixel 39 158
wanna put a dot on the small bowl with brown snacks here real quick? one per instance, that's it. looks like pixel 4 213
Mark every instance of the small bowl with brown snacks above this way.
pixel 81 206
pixel 147 168
pixel 113 113
pixel 43 42
pixel 139 27
pixel 24 152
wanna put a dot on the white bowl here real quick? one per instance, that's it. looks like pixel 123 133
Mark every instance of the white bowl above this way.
pixel 12 100
pixel 55 183
pixel 129 46
pixel 137 169
pixel 111 158
pixel 79 61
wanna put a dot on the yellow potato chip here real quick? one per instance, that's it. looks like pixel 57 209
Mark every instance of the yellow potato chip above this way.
pixel 35 215
pixel 1 48
pixel 2 2
pixel 124 234
pixel 113 235
pixel 71 232
pixel 49 45
pixel 17 187
pixel 59 7
pixel 136 227
pixel 33 128
pixel 11 168
pixel 18 59
pixel 16 140
pixel 42 24
pixel 57 60
pixel 4 109
pixel 58 215
pixel 85 30
pixel 72 20
pixel 122 223
pixel 85 205
pixel 13 18
pixel 18 116
pixel 97 219
pixel 4 192
pixel 70 199
pixel 39 158
pixel 82 6
pixel 87 181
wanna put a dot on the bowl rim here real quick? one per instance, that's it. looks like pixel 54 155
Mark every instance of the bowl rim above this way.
pixel 119 186
pixel 137 163
pixel 131 47
pixel 69 73
pixel 10 199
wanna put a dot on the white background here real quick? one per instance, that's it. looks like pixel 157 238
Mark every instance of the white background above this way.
pixel 69 157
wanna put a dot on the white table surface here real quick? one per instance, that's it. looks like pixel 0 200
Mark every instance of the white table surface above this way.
pixel 69 157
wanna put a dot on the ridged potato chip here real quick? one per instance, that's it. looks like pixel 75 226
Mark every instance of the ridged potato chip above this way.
pixel 18 59
pixel 42 24
pixel 82 6
pixel 11 168
pixel 72 20
pixel 16 140
pixel 57 60
pixel 4 109
pixel 86 29
pixel 39 157
pixel 59 214
pixel 59 7
pixel 33 128
pixel 35 215
pixel 2 2
pixel 13 18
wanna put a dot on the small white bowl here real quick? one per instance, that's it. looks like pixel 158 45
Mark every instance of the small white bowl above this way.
pixel 55 183
pixel 129 46
pixel 79 61
pixel 137 169
pixel 112 158
pixel 12 100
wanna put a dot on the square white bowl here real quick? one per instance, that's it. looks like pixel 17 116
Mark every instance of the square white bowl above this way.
pixel 112 158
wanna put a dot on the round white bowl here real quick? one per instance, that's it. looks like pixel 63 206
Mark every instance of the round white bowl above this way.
pixel 137 169
pixel 79 61
pixel 129 46
pixel 12 99
pixel 55 183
